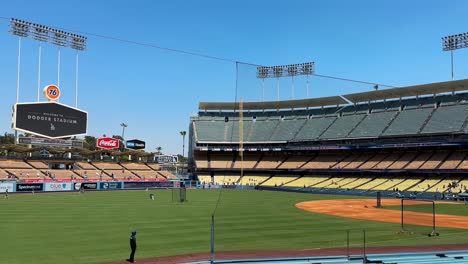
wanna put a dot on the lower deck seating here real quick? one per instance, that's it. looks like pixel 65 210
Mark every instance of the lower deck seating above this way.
pixel 425 185
pixel 149 175
pixel 358 182
pixel 409 182
pixel 62 174
pixel 121 175
pixel 226 179
pixel 443 185
pixel 27 174
pixel 204 179
pixel 390 184
pixel 278 180
pixel 93 175
pixel 252 180
pixel 167 174
pixel 373 184
pixel 306 181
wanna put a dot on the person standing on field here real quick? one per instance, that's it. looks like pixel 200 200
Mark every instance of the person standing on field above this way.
pixel 133 247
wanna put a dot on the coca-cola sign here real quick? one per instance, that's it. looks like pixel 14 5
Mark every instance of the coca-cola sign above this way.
pixel 107 143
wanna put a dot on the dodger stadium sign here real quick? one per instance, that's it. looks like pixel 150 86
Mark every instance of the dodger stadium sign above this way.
pixel 49 119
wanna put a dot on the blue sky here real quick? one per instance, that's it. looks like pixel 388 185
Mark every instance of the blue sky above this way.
pixel 155 91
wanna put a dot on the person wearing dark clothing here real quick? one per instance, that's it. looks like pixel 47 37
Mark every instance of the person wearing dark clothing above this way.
pixel 133 247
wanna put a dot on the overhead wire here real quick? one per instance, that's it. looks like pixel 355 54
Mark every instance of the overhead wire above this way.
pixel 197 54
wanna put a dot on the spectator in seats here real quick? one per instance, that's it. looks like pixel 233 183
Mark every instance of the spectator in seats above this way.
pixel 133 246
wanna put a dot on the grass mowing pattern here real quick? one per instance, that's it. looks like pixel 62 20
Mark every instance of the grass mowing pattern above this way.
pixel 94 227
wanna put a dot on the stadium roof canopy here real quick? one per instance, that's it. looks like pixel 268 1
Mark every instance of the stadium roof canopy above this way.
pixel 409 91
pixel 288 104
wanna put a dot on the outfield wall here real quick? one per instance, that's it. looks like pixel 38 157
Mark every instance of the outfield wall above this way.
pixel 13 187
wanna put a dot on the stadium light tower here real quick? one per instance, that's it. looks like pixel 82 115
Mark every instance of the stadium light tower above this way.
pixel 123 125
pixel 51 35
pixel 280 71
pixel 453 42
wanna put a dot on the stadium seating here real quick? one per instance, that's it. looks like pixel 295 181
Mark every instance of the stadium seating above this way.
pixel 278 180
pixel 204 179
pixel 121 175
pixel 453 160
pixel 154 166
pixel 358 160
pixel 221 161
pixel 358 182
pixel 373 124
pixel 201 161
pixel 406 158
pixel 373 161
pixel 374 184
pixel 85 165
pixel 27 174
pixel 252 180
pixel 167 174
pixel 372 144
pixel 435 160
pixel 306 181
pixel 388 161
pixel 342 126
pixel 446 119
pixel 107 165
pixel 14 164
pixel 314 127
pixel 408 122
pixel 262 130
pixel 464 164
pixel 134 166
pixel 62 174
pixel 295 162
pixel 38 165
pixel 389 184
pixel 270 162
pixel 443 185
pixel 410 182
pixel 249 161
pixel 325 161
pixel 5 176
pixel 226 179
pixel 210 130
pixel 149 175
pixel 287 129
pixel 419 160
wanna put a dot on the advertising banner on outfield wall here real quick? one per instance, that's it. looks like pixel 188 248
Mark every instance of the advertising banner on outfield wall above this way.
pixel 6 186
pixel 28 187
pixel 130 185
pixel 85 185
pixel 110 185
pixel 57 186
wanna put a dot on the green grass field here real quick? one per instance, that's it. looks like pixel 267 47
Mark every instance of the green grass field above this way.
pixel 449 209
pixel 94 227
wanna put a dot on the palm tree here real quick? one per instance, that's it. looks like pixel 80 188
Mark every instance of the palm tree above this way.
pixel 183 133
pixel 158 149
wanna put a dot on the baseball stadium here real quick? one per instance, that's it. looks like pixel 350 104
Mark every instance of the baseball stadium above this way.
pixel 368 173
pixel 358 178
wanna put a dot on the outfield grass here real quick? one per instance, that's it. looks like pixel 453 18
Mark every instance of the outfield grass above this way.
pixel 449 209
pixel 94 227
